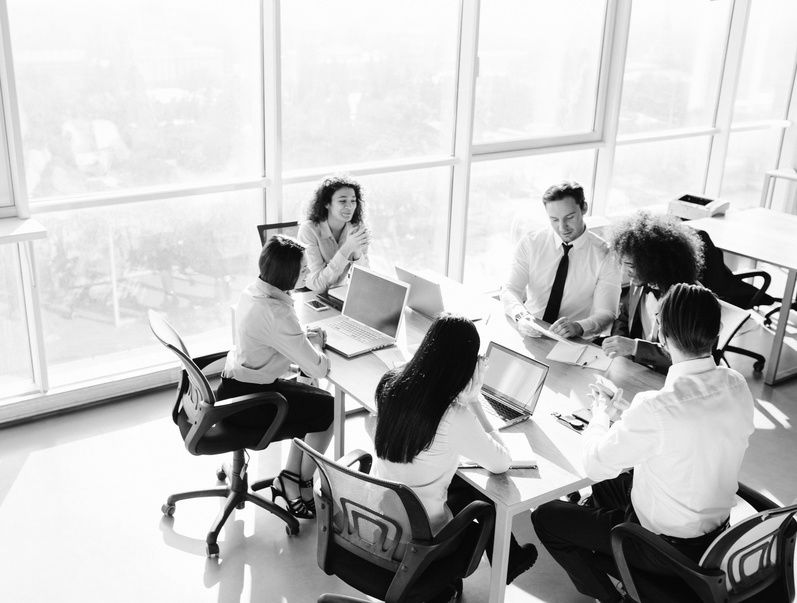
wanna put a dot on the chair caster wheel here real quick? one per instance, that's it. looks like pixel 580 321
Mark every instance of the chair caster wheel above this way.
pixel 212 550
pixel 291 531
pixel 220 475
pixel 240 505
pixel 167 510
pixel 758 367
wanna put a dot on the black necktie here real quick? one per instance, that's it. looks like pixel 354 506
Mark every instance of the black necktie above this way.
pixel 552 309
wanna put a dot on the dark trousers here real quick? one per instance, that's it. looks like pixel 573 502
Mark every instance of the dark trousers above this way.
pixel 579 537
pixel 310 409
pixel 460 495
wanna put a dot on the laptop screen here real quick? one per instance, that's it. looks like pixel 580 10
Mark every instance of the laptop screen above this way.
pixel 375 300
pixel 514 376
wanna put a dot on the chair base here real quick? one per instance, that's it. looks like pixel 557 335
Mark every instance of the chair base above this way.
pixel 237 493
pixel 768 316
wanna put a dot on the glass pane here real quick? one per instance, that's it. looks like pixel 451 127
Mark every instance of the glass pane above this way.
pixel 655 172
pixel 539 64
pixel 750 154
pixel 506 202
pixel 6 199
pixel 136 93
pixel 101 270
pixel 407 213
pixel 16 368
pixel 768 63
pixel 673 66
pixel 367 81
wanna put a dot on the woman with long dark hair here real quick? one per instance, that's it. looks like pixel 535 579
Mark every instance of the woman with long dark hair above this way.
pixel 268 339
pixel 429 414
pixel 335 233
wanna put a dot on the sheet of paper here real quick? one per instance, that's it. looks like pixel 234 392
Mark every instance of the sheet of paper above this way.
pixel 594 358
pixel 523 456
pixel 551 335
pixel 392 356
pixel 567 352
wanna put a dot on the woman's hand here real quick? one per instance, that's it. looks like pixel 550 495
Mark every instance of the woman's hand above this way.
pixel 356 242
pixel 317 335
pixel 470 395
pixel 619 346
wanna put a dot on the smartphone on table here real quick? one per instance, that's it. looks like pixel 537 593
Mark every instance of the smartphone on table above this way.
pixel 316 305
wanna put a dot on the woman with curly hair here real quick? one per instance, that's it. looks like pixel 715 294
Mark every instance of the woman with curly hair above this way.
pixel 335 234
pixel 656 252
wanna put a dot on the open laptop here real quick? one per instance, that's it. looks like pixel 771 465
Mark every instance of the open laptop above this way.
pixel 512 385
pixel 429 297
pixel 371 316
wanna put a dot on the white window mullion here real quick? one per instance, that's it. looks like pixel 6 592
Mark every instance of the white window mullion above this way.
pixel 33 312
pixel 726 100
pixel 272 107
pixel 619 20
pixel 467 72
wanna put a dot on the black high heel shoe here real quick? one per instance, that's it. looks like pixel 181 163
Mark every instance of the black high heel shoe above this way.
pixel 298 507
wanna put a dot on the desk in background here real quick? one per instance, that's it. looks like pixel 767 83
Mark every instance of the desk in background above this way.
pixel 557 447
pixel 768 236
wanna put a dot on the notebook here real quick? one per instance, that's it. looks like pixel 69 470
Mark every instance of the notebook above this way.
pixel 512 385
pixel 371 315
pixel 429 297
pixel 523 456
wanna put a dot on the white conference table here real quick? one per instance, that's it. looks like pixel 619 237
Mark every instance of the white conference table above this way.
pixel 557 447
pixel 768 236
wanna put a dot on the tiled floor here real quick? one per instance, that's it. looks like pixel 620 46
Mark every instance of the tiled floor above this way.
pixel 80 520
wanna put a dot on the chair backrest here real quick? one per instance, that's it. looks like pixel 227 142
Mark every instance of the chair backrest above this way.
pixel 195 392
pixel 265 231
pixel 732 320
pixel 755 553
pixel 372 518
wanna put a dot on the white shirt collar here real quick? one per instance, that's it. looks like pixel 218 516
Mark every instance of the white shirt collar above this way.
pixel 689 367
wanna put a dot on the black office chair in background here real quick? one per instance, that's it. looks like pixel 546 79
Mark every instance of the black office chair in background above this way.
pixel 265 231
pixel 375 535
pixel 205 429
pixel 753 560
pixel 732 288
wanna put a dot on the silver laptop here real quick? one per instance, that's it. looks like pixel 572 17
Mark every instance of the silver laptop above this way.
pixel 429 297
pixel 371 316
pixel 512 385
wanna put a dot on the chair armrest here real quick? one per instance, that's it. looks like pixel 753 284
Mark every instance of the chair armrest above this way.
pixel 421 553
pixel 755 499
pixel 203 361
pixel 702 581
pixel 761 290
pixel 357 456
pixel 224 409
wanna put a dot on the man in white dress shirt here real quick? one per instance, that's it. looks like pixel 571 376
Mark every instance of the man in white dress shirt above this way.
pixel 685 444
pixel 564 274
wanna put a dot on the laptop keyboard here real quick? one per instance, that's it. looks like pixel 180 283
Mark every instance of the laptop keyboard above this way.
pixel 355 331
pixel 495 407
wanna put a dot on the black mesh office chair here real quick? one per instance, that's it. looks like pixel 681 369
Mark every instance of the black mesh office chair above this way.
pixel 732 288
pixel 753 560
pixel 205 428
pixel 375 535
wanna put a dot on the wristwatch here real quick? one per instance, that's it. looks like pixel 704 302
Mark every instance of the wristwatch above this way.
pixel 520 315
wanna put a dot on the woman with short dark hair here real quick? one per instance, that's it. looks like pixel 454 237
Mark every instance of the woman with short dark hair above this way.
pixel 268 339
pixel 335 233
pixel 430 414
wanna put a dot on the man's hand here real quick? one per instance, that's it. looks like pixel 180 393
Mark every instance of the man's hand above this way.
pixel 567 328
pixel 619 346
pixel 526 327
pixel 603 399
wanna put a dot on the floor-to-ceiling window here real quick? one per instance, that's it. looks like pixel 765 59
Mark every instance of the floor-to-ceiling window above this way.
pixel 156 135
